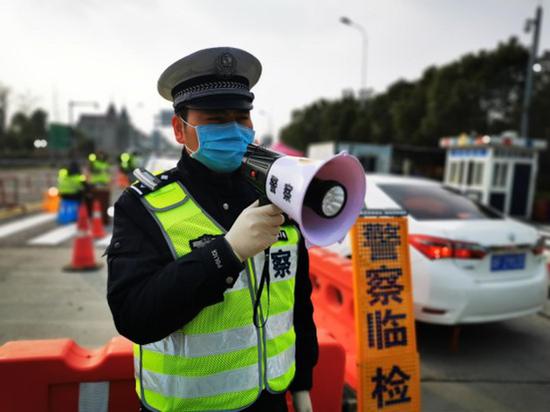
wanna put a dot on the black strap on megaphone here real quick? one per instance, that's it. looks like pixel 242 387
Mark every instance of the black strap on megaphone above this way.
pixel 264 279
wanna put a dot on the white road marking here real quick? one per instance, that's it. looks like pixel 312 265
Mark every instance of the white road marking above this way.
pixel 55 236
pixel 23 224
pixel 105 241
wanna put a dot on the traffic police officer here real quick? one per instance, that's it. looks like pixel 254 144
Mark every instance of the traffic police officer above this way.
pixel 100 175
pixel 70 182
pixel 187 264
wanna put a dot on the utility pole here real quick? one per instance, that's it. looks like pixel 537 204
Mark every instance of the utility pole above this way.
pixel 530 24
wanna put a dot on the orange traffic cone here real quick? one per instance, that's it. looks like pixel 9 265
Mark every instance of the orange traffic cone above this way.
pixel 97 221
pixel 122 180
pixel 83 248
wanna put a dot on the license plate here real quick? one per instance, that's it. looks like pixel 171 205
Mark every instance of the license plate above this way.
pixel 508 262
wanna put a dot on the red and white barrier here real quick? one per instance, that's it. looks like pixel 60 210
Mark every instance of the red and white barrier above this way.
pixel 60 376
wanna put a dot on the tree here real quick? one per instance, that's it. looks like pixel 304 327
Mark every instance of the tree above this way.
pixel 23 130
pixel 3 112
pixel 539 119
pixel 479 92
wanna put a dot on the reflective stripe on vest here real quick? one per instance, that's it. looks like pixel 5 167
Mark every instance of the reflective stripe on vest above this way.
pixel 220 360
pixel 233 380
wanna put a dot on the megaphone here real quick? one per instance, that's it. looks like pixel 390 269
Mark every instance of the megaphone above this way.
pixel 323 196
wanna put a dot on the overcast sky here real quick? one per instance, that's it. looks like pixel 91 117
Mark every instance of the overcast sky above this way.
pixel 114 51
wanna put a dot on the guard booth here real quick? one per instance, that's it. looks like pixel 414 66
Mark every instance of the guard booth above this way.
pixel 499 171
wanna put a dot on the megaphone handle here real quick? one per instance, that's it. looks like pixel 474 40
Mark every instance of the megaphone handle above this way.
pixel 265 201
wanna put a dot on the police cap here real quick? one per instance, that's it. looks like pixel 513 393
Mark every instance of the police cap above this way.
pixel 211 79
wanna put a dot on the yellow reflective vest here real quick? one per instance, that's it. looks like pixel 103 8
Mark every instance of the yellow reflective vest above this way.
pixel 69 184
pixel 220 360
pixel 100 174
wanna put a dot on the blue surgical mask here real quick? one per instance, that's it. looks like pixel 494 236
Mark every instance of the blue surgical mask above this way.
pixel 222 146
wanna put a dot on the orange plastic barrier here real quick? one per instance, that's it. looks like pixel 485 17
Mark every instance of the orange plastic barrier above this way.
pixel 58 375
pixel 122 180
pixel 328 376
pixel 51 200
pixel 332 296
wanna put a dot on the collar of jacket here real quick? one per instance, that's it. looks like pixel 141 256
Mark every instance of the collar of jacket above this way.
pixel 200 174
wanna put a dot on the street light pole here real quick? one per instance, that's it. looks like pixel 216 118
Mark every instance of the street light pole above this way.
pixel 536 23
pixel 348 22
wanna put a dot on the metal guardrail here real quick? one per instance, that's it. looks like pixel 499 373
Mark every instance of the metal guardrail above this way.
pixel 19 189
pixel 6 163
pixel 8 198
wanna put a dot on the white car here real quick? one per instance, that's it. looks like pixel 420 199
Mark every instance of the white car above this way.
pixel 469 263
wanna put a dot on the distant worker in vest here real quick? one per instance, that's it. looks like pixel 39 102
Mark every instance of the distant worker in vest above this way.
pixel 71 182
pixel 214 328
pixel 126 165
pixel 127 162
pixel 99 177
pixel 71 186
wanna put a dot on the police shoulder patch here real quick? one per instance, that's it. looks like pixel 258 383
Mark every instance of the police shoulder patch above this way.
pixel 201 241
pixel 148 182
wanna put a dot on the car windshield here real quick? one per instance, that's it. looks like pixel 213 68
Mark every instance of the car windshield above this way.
pixel 427 202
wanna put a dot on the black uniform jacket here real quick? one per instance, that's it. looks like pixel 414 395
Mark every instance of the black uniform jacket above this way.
pixel 152 295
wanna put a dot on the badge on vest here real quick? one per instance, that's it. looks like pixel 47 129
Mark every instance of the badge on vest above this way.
pixel 201 241
pixel 281 263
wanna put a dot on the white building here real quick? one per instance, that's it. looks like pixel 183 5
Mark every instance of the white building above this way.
pixel 113 132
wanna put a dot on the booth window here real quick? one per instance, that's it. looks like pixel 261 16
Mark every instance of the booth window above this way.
pixel 478 175
pixel 368 163
pixel 452 173
pixel 500 173
pixel 496 174
pixel 470 173
pixel 461 171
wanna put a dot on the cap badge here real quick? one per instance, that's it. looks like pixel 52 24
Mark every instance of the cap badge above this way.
pixel 225 64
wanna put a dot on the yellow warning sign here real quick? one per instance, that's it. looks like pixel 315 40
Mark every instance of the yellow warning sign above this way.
pixel 389 376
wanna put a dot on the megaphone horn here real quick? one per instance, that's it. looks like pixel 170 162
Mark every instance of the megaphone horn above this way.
pixel 323 196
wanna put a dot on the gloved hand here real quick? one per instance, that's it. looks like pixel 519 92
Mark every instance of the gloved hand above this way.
pixel 302 401
pixel 255 229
